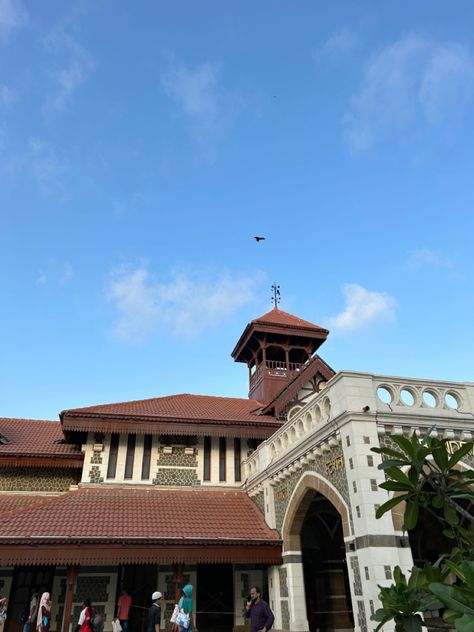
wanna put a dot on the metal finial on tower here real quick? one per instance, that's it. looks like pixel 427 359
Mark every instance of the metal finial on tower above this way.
pixel 276 294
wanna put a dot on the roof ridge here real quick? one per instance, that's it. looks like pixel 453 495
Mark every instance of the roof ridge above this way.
pixel 163 397
pixel 50 421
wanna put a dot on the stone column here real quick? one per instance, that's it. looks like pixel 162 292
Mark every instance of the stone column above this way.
pixel 293 564
pixel 274 595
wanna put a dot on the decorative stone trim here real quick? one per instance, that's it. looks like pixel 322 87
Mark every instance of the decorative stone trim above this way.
pixel 299 503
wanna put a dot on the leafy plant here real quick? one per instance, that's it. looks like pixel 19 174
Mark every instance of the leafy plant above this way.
pixel 426 476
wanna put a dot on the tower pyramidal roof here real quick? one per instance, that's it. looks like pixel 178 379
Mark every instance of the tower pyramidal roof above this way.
pixel 277 316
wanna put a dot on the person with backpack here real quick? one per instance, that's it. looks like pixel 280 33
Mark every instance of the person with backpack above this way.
pixel 89 619
pixel 86 616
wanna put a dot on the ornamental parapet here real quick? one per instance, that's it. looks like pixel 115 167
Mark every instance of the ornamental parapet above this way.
pixel 395 404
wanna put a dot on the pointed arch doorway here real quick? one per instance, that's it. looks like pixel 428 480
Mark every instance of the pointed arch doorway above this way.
pixel 324 567
pixel 316 522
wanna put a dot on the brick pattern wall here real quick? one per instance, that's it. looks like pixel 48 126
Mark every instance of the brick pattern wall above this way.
pixel 283 581
pixel 361 616
pixel 38 479
pixel 178 458
pixel 176 476
pixel 356 572
pixel 259 500
pixel 285 615
pixel 94 475
pixel 96 457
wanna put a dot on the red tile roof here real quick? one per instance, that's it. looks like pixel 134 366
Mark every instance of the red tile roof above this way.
pixel 182 407
pixel 13 504
pixel 127 515
pixel 35 437
pixel 277 316
pixel 314 366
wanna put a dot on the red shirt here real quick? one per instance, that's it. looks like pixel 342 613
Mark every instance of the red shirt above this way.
pixel 125 603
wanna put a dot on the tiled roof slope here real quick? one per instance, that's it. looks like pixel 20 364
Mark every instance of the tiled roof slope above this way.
pixel 12 504
pixel 92 514
pixel 277 316
pixel 315 365
pixel 34 437
pixel 182 406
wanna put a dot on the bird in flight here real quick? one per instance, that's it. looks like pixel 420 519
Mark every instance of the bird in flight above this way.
pixel 257 239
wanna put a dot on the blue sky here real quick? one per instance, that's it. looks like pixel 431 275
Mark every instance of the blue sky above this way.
pixel 144 144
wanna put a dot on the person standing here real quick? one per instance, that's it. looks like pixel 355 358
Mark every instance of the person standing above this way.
pixel 154 613
pixel 33 610
pixel 85 618
pixel 186 605
pixel 258 611
pixel 43 618
pixel 124 604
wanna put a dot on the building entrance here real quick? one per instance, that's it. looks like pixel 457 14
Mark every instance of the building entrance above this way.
pixel 25 580
pixel 140 581
pixel 215 601
pixel 327 591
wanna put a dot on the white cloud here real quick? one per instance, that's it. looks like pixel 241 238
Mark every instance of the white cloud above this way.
pixel 363 307
pixel 66 274
pixel 58 273
pixel 424 257
pixel 184 305
pixel 413 80
pixel 41 279
pixel 7 96
pixel 75 68
pixel 340 43
pixel 45 166
pixel 41 163
pixel 199 94
pixel 12 15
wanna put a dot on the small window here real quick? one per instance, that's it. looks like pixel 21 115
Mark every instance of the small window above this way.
pixel 237 459
pixel 146 462
pixel 222 458
pixel 207 458
pixel 130 458
pixel 113 452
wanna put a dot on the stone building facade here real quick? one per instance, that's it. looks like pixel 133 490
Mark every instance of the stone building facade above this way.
pixel 279 491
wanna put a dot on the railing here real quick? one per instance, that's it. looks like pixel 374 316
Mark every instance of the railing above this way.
pixel 401 402
pixel 280 364
pixel 275 365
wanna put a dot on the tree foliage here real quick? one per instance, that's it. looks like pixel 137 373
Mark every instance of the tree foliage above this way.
pixel 425 475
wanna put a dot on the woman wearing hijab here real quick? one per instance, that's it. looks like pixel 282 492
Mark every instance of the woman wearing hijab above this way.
pixel 44 613
pixel 186 605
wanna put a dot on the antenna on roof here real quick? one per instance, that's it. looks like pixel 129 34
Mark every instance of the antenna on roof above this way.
pixel 276 295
